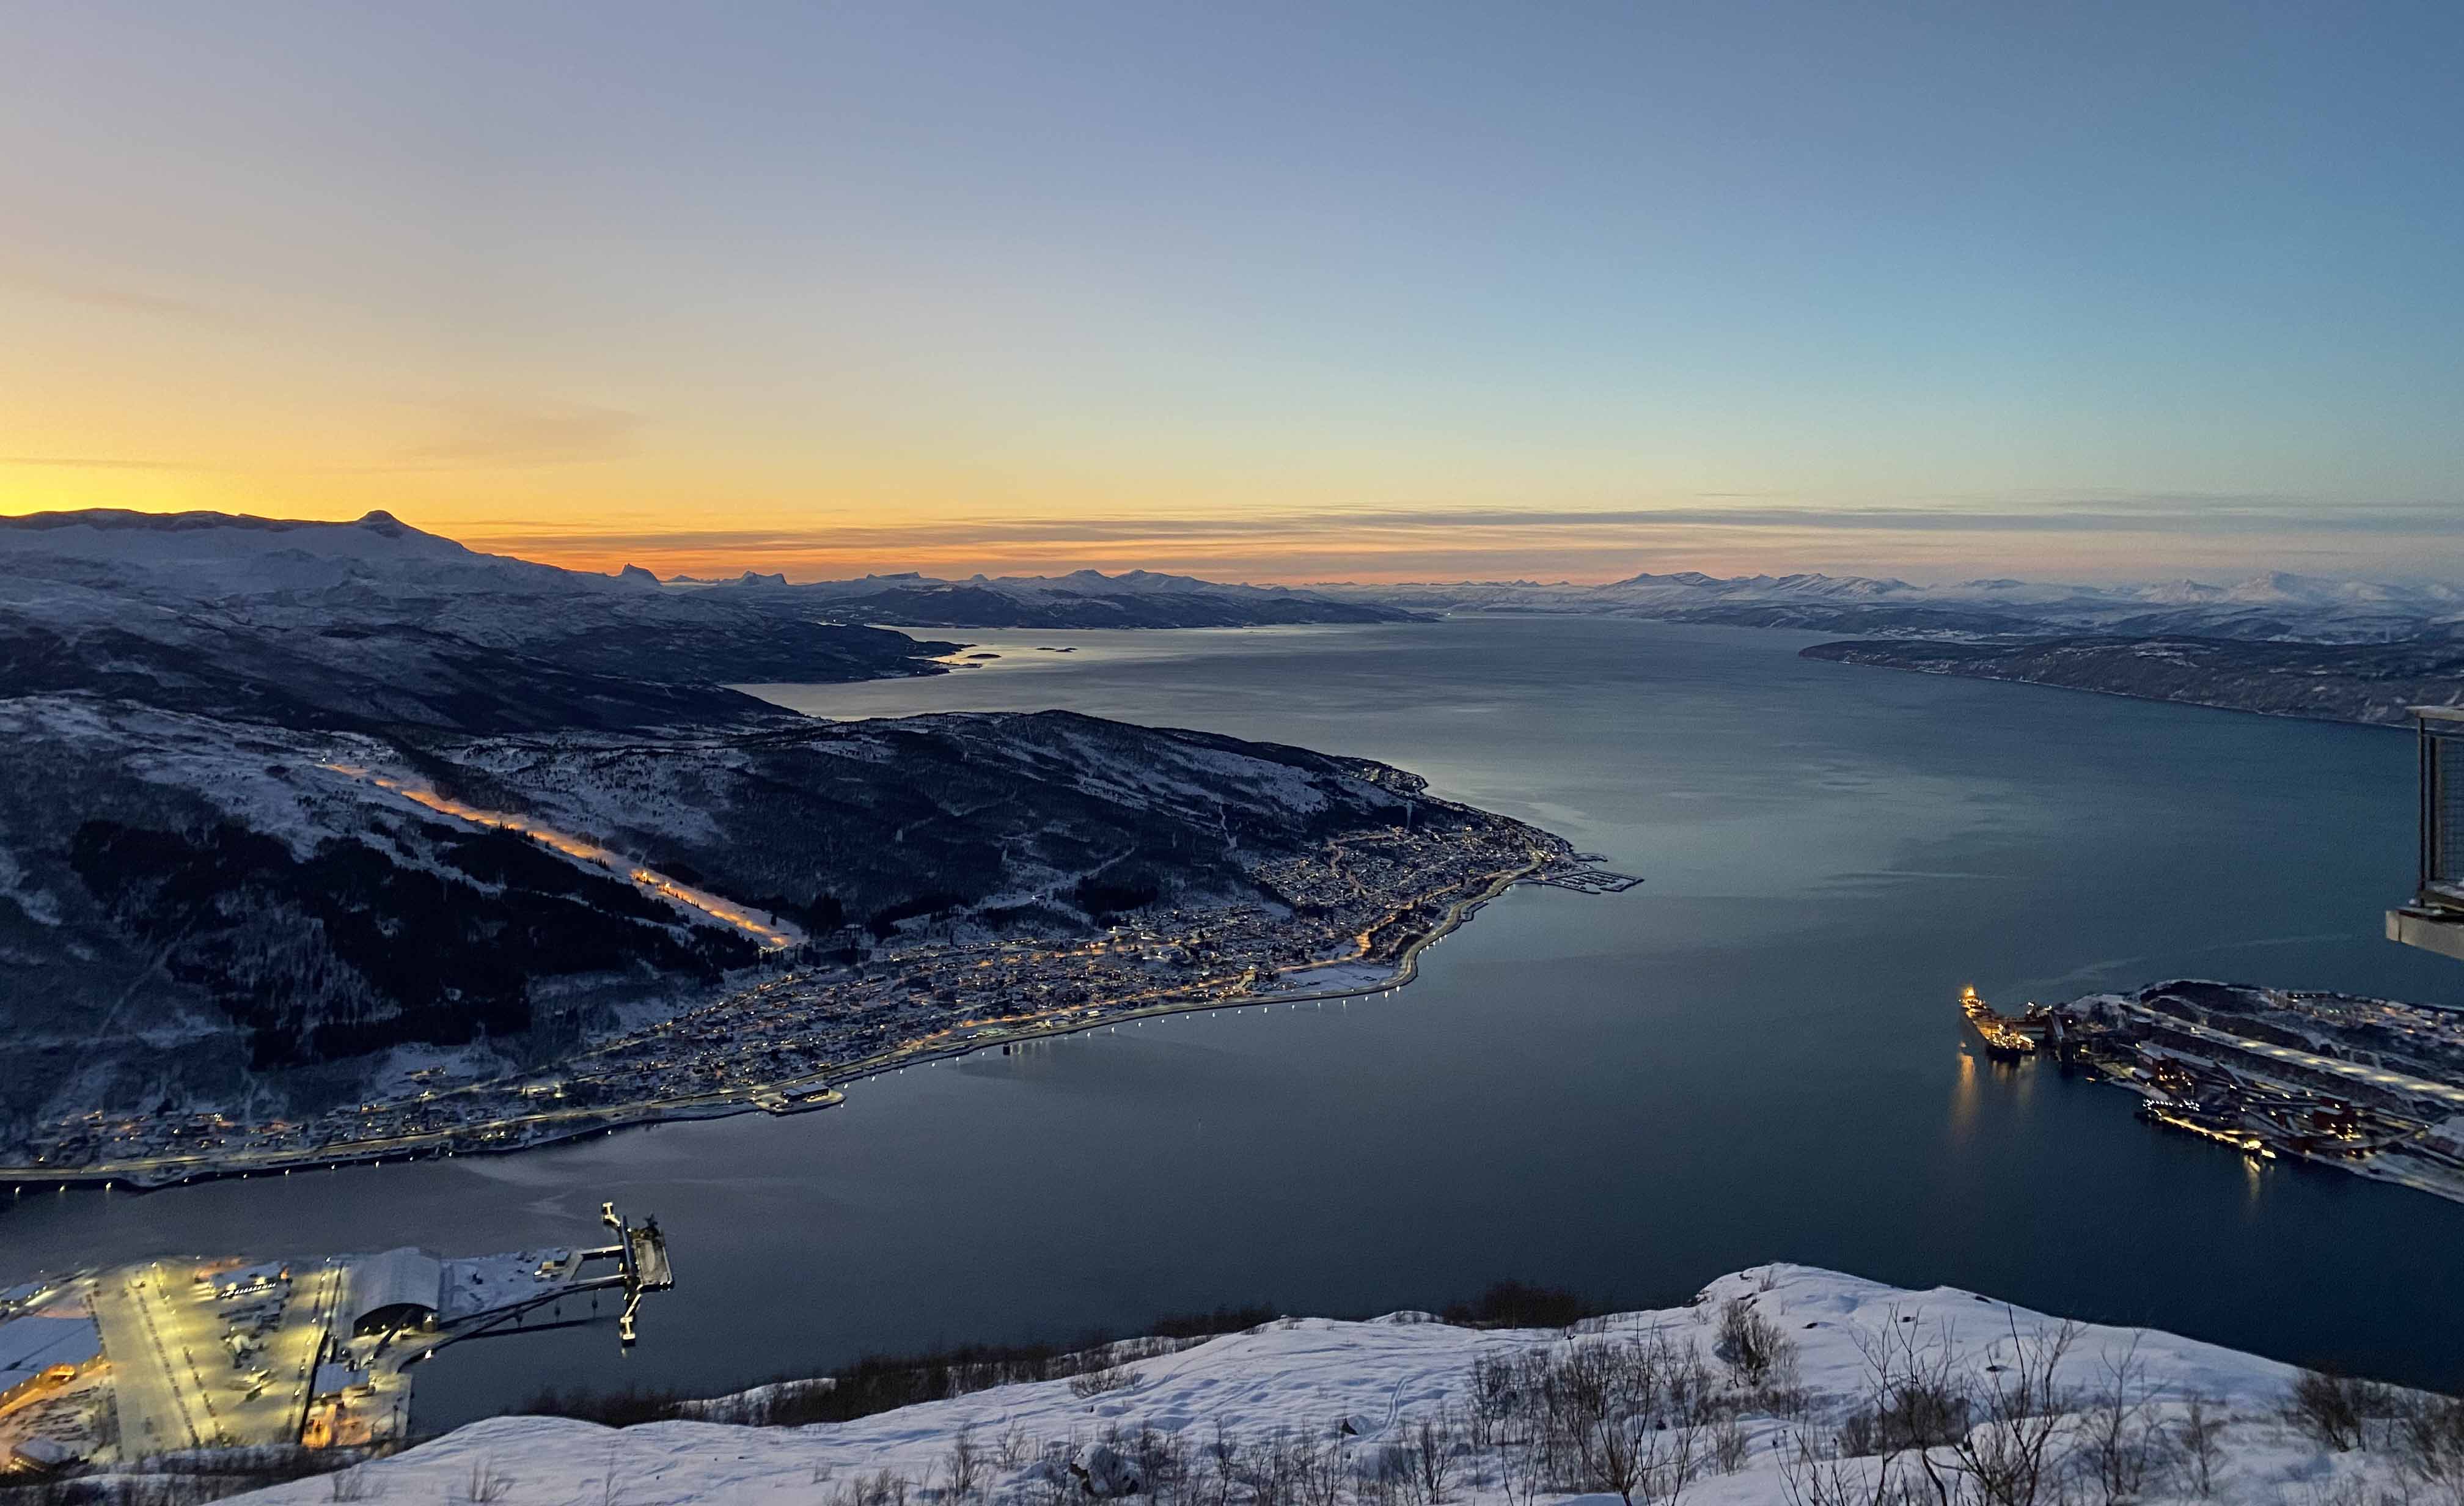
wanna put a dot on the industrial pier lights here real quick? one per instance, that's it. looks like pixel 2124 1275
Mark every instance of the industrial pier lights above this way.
pixel 2435 919
pixel 641 1262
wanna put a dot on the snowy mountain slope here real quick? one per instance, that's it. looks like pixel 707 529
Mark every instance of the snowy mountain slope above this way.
pixel 1406 1410
pixel 232 867
pixel 945 815
pixel 270 900
pixel 374 623
pixel 199 910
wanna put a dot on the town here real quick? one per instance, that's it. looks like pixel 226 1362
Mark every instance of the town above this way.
pixel 1351 918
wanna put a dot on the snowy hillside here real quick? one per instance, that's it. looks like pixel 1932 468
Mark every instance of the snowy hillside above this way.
pixel 289 799
pixel 224 912
pixel 1781 1384
pixel 373 623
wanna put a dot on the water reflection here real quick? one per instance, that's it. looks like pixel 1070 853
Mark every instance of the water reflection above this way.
pixel 1754 1057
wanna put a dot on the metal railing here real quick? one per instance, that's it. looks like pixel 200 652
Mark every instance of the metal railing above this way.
pixel 2441 883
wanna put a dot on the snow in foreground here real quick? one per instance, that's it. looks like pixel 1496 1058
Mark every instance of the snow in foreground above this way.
pixel 1406 1411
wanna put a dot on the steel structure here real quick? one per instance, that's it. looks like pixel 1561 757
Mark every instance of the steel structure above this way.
pixel 2435 919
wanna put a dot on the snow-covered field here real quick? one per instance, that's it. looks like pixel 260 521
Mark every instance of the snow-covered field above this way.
pixel 1404 1410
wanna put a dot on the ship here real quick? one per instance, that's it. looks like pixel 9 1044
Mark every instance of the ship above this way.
pixel 2004 1039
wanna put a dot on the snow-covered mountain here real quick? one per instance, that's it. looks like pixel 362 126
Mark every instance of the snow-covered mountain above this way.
pixel 372 622
pixel 1081 599
pixel 237 852
pixel 2375 683
pixel 2278 605
pixel 1782 1384
pixel 200 909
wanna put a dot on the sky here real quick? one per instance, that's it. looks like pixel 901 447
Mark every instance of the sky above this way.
pixel 1277 292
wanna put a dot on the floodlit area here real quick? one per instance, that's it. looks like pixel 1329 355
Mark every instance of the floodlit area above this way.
pixel 767 929
pixel 110 1366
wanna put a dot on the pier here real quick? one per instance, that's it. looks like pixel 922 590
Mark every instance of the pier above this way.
pixel 217 1352
pixel 1592 882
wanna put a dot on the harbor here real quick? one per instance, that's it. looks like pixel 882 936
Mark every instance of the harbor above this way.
pixel 107 1368
pixel 2371 1086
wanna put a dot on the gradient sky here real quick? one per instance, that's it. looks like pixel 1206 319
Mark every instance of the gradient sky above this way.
pixel 1274 293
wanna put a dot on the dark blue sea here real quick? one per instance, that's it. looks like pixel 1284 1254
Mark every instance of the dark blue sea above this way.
pixel 1752 1056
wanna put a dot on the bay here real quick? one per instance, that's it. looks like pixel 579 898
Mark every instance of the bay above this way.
pixel 1752 1056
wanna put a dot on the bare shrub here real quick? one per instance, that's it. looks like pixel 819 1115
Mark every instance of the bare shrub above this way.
pixel 2429 1444
pixel 1729 1448
pixel 2196 1434
pixel 2121 1444
pixel 1642 1463
pixel 1430 1461
pixel 1518 1474
pixel 1809 1479
pixel 2012 1456
pixel 2335 1410
pixel 485 1484
pixel 1756 1350
pixel 1317 1472
pixel 1264 1471
pixel 354 1484
pixel 962 1467
pixel 1103 1382
pixel 1913 1401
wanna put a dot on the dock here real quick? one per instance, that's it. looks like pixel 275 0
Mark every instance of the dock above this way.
pixel 1592 882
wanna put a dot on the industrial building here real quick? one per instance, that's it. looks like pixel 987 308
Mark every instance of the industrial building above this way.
pixel 399 1290
pixel 38 1352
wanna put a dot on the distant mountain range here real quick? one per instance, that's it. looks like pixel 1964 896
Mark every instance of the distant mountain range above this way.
pixel 1082 599
pixel 2285 645
pixel 238 860
pixel 2296 608
pixel 2367 682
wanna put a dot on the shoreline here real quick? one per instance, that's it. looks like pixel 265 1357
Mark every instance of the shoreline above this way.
pixel 1808 652
pixel 804 1094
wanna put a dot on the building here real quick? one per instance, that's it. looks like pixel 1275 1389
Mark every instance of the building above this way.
pixel 40 1353
pixel 2435 919
pixel 388 1293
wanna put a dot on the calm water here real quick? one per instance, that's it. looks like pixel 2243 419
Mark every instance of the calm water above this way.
pixel 1752 1056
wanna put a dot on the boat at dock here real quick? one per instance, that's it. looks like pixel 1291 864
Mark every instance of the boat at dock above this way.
pixel 2006 1038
